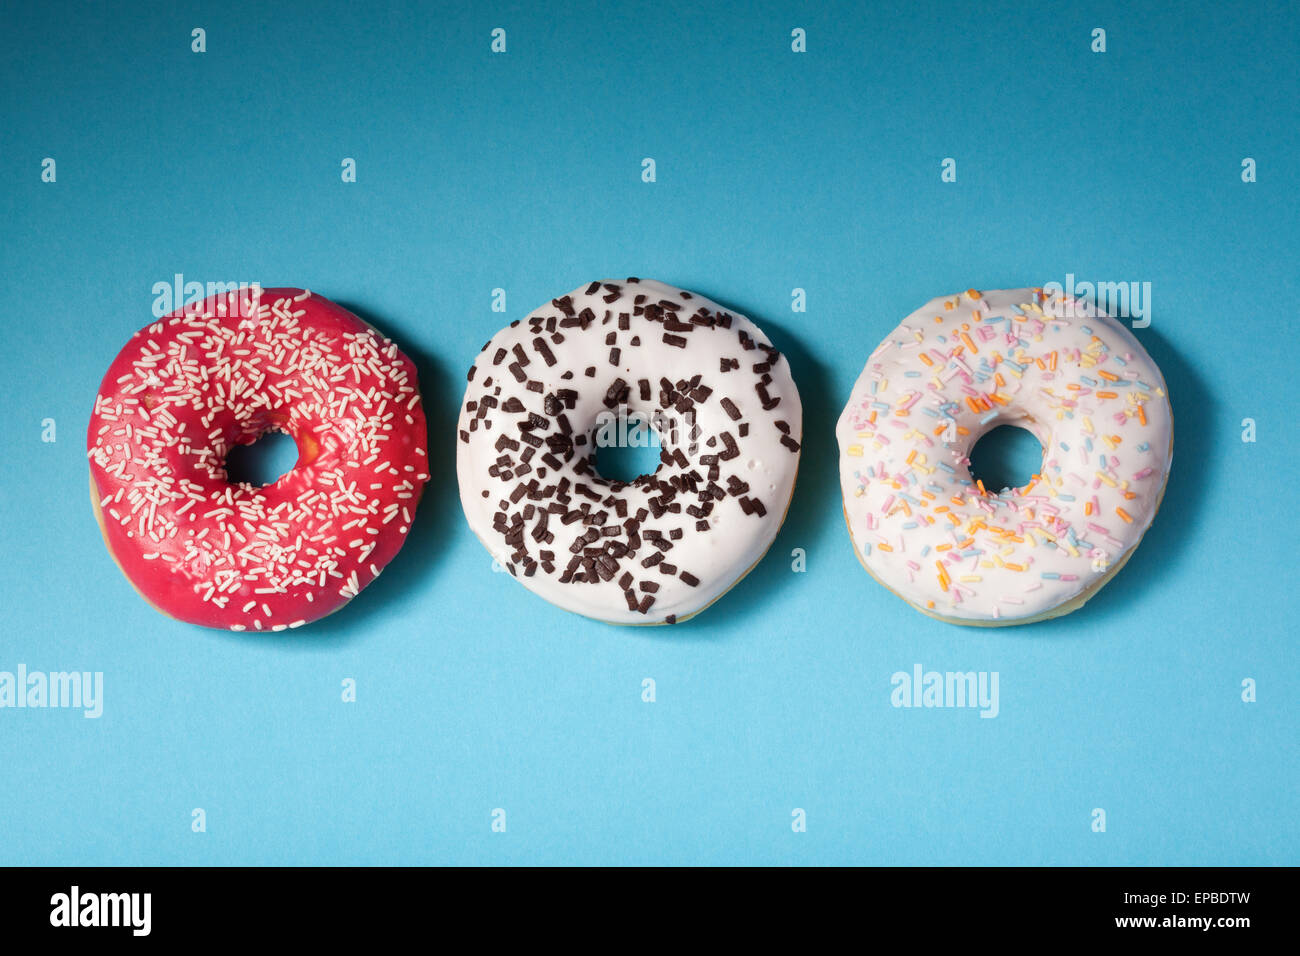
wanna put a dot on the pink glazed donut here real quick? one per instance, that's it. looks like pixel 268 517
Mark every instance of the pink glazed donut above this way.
pixel 194 384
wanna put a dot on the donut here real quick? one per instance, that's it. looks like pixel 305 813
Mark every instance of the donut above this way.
pixel 194 384
pixel 660 548
pixel 956 368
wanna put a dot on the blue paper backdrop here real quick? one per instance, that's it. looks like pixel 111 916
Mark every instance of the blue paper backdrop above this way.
pixel 775 170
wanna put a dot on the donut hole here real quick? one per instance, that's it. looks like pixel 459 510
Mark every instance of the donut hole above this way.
pixel 264 462
pixel 1005 458
pixel 625 447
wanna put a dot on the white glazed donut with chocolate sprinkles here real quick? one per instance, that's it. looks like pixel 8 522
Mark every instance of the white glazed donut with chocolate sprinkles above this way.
pixel 664 546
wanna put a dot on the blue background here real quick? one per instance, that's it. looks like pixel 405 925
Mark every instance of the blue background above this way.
pixel 775 171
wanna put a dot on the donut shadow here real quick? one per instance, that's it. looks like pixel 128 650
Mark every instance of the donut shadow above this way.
pixel 405 575
pixel 760 593
pixel 1174 528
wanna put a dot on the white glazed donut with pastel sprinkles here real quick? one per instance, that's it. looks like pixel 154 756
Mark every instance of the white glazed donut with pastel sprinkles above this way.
pixel 956 368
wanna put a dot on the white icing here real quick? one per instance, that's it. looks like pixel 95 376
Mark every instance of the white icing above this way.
pixel 734 540
pixel 1068 524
